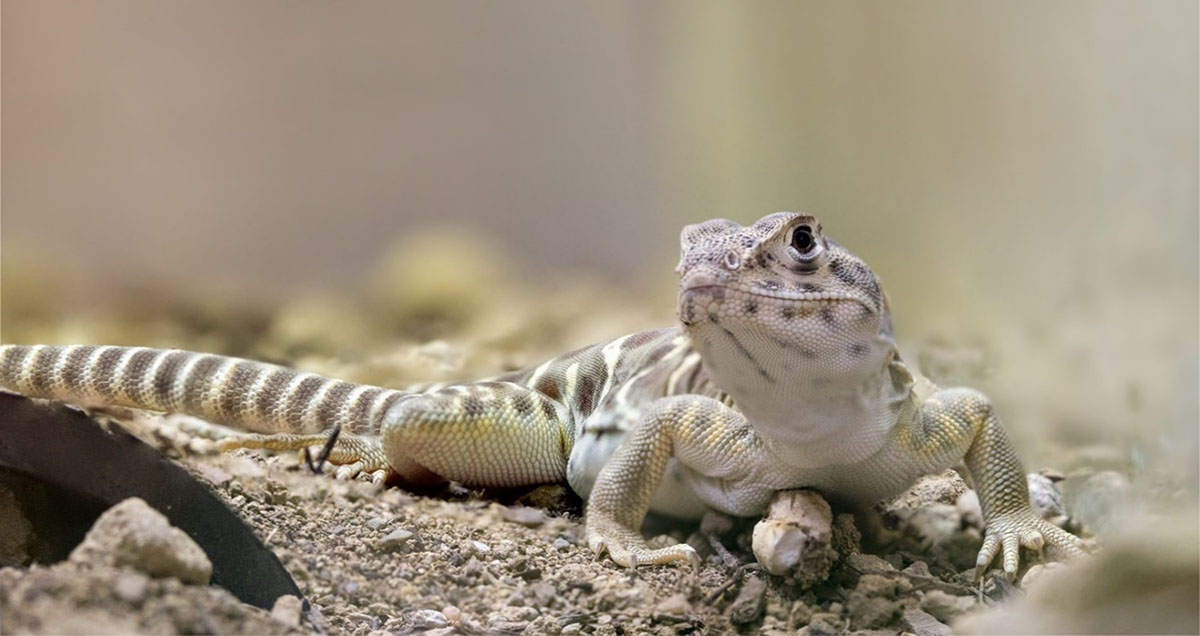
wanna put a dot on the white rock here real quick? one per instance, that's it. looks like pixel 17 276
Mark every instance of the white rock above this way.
pixel 794 537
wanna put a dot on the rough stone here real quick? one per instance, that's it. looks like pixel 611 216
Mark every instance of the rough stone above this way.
pixel 876 585
pixel 674 605
pixel 395 539
pixel 942 488
pixel 1046 499
pixel 921 623
pixel 871 612
pixel 525 516
pixel 287 609
pixel 945 607
pixel 793 539
pixel 750 602
pixel 867 563
pixel 132 534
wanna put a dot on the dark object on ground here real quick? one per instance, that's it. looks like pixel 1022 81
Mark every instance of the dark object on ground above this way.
pixel 97 467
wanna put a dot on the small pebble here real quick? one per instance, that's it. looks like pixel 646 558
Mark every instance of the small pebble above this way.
pixel 395 539
pixel 525 516
pixel 376 523
pixel 921 623
pixel 751 600
pixel 945 607
pixel 427 619
pixel 674 605
pixel 1039 570
pixel 867 563
pixel 562 545
pixel 1046 499
pixel 131 587
pixel 969 509
pixel 286 610
pixel 876 585
pixel 918 568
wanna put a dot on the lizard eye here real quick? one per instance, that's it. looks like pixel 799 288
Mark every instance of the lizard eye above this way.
pixel 803 242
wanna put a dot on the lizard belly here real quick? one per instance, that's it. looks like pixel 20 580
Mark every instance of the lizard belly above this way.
pixel 676 495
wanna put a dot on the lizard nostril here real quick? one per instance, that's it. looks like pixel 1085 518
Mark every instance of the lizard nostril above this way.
pixel 732 260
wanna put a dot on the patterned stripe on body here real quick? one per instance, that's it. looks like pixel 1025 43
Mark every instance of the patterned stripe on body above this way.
pixel 251 395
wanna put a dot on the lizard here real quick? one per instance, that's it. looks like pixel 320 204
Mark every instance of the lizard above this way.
pixel 782 373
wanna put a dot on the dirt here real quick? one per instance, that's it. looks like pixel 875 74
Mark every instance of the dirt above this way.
pixel 371 558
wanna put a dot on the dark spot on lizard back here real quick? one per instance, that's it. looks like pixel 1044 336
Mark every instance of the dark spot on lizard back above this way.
pixel 827 316
pixel 548 409
pixel 548 386
pixel 859 349
pixel 586 394
pixel 523 404
pixel 750 307
pixel 473 406
pixel 787 313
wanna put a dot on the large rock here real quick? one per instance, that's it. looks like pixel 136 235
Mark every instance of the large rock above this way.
pixel 132 534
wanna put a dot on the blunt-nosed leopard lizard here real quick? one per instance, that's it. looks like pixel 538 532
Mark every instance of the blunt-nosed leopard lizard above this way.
pixel 783 374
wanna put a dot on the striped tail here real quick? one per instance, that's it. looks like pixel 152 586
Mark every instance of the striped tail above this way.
pixel 240 393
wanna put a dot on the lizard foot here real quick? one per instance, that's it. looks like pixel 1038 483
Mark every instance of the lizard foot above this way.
pixel 355 457
pixel 627 548
pixel 1007 533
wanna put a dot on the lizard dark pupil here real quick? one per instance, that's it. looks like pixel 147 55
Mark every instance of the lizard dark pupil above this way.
pixel 802 239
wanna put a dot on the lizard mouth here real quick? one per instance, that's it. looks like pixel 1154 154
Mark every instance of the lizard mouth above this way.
pixel 718 291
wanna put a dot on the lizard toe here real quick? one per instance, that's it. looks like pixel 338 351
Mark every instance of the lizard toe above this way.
pixel 348 472
pixel 1007 534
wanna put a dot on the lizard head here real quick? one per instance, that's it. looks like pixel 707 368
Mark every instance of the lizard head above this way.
pixel 779 303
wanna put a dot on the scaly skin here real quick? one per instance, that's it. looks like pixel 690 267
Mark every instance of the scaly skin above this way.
pixel 783 375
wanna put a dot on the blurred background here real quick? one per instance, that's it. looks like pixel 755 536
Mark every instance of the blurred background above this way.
pixel 318 178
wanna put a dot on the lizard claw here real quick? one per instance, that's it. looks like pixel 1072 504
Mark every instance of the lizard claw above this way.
pixel 627 548
pixel 1007 533
pixel 355 456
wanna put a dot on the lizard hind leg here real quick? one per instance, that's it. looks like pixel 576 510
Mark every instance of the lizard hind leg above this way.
pixel 355 456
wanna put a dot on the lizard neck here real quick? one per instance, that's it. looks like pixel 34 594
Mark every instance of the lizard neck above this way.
pixel 812 409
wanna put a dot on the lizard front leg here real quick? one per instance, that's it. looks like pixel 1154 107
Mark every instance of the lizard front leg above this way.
pixel 954 424
pixel 711 440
